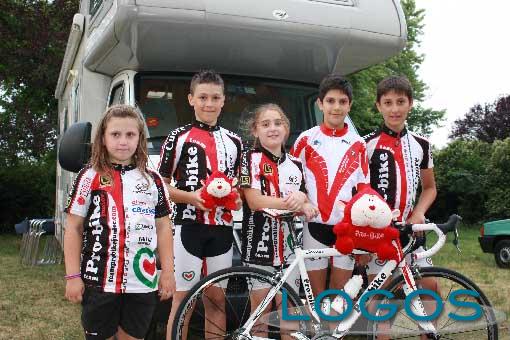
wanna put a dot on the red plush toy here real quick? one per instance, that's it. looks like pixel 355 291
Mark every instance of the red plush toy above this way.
pixel 218 191
pixel 366 226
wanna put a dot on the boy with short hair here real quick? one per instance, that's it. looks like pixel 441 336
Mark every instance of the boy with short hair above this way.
pixel 189 155
pixel 335 166
pixel 399 161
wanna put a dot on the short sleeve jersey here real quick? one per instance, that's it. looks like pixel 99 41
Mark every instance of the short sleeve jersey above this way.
pixel 119 236
pixel 395 163
pixel 189 155
pixel 262 234
pixel 335 164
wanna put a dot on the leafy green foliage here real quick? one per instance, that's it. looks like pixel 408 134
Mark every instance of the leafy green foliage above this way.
pixel 28 190
pixel 498 180
pixel 364 112
pixel 34 35
pixel 488 123
pixel 472 180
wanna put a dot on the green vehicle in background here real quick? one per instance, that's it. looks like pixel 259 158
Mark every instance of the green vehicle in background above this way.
pixel 495 238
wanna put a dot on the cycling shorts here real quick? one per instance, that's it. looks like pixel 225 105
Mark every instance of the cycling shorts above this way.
pixel 375 265
pixel 200 248
pixel 317 236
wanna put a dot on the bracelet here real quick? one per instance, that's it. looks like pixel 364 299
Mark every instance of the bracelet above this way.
pixel 72 276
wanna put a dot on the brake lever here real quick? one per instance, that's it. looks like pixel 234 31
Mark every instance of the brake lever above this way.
pixel 456 239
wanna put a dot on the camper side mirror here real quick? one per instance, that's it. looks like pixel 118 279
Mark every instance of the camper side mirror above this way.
pixel 74 148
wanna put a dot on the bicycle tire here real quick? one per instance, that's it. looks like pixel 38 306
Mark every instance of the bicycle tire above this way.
pixel 403 327
pixel 237 281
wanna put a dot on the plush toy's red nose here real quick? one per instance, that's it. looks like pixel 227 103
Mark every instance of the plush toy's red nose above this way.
pixel 219 187
pixel 372 207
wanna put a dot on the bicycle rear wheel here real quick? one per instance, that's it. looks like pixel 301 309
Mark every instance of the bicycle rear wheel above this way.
pixel 234 286
pixel 402 326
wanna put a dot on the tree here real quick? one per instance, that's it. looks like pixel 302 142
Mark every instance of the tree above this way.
pixel 34 35
pixel 364 112
pixel 487 123
pixel 498 180
pixel 461 175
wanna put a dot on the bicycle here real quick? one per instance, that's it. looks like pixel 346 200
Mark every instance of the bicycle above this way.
pixel 238 282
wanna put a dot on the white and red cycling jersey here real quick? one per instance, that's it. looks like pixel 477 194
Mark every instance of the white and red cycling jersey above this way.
pixel 119 232
pixel 395 163
pixel 189 155
pixel 265 239
pixel 335 163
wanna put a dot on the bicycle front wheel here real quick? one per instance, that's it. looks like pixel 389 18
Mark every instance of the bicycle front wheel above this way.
pixel 218 306
pixel 447 323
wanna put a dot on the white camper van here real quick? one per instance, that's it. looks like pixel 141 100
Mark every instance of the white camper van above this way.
pixel 143 52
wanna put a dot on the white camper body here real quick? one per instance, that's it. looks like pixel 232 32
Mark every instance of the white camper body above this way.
pixel 143 52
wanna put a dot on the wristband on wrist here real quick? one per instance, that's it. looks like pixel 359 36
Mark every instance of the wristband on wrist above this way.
pixel 72 276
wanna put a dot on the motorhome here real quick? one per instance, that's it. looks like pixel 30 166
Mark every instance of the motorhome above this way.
pixel 143 53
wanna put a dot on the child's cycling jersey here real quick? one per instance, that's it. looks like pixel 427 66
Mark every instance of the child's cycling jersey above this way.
pixel 395 163
pixel 263 236
pixel 189 155
pixel 119 236
pixel 335 163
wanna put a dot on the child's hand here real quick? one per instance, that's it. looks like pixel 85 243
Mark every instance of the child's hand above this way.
pixel 417 218
pixel 310 211
pixel 295 201
pixel 166 285
pixel 74 290
pixel 197 200
pixel 239 201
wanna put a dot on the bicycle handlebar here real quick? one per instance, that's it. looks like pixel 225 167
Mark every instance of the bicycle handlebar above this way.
pixel 440 229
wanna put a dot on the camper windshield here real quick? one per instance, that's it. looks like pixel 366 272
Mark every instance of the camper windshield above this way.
pixel 163 101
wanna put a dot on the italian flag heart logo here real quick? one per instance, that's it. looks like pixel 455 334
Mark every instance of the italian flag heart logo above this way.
pixel 188 276
pixel 145 267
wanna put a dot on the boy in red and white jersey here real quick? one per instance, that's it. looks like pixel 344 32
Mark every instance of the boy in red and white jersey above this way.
pixel 335 165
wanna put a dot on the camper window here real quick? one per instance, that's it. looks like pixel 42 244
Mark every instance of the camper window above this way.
pixel 94 6
pixel 117 95
pixel 163 101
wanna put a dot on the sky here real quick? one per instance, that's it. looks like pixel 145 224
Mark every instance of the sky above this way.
pixel 467 56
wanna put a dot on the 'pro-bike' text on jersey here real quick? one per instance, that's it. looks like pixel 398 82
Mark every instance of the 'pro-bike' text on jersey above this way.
pixel 264 237
pixel 189 155
pixel 119 236
pixel 395 163
pixel 335 163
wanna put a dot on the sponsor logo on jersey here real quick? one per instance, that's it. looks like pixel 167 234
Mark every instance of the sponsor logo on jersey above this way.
pixel 268 169
pixel 293 179
pixel 263 244
pixel 380 262
pixel 144 211
pixel 383 175
pixel 245 180
pixel 199 143
pixel 141 188
pixel 144 266
pixel 81 200
pixel 85 188
pixel 137 202
pixel 188 276
pixel 145 240
pixel 114 245
pixel 316 142
pixel 91 265
pixel 104 181
pixel 141 226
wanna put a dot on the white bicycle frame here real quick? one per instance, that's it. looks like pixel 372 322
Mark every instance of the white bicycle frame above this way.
pixel 384 274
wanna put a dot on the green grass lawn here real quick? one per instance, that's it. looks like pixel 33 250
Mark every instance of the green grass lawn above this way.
pixel 32 304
